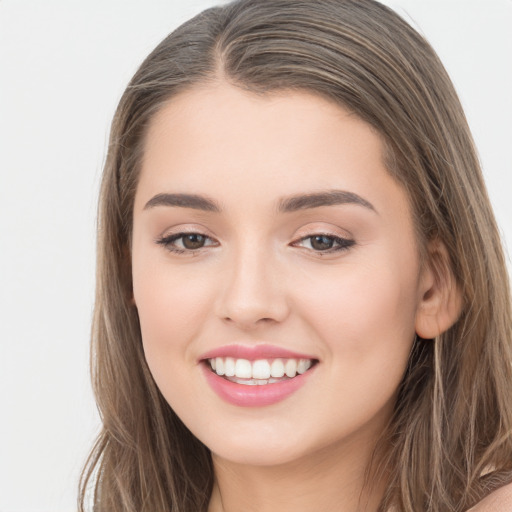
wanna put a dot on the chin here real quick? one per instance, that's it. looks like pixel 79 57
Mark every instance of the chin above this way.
pixel 257 455
pixel 254 443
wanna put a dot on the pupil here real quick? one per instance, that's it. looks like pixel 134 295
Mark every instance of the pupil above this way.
pixel 322 242
pixel 193 241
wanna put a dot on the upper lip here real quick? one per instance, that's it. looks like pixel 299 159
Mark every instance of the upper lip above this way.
pixel 253 352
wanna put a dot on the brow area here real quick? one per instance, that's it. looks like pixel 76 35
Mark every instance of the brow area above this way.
pixel 285 205
pixel 322 198
pixel 194 201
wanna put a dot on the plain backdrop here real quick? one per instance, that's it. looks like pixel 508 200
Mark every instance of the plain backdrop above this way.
pixel 63 67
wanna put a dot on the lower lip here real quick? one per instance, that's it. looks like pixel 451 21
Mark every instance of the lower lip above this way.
pixel 254 396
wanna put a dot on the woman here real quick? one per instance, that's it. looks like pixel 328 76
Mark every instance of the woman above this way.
pixel 302 298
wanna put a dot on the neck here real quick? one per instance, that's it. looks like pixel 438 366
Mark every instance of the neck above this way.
pixel 331 480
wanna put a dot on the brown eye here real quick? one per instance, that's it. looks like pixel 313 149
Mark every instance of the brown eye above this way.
pixel 193 241
pixel 324 243
pixel 182 243
pixel 321 242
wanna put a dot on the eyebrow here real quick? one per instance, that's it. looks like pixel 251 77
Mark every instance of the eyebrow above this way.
pixel 318 199
pixel 285 205
pixel 194 201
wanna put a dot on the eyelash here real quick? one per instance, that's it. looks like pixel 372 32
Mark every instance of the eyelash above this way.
pixel 342 243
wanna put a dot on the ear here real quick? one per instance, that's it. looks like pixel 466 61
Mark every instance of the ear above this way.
pixel 440 297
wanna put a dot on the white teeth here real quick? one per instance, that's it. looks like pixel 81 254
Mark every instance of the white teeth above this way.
pixel 219 366
pixel 303 366
pixel 277 368
pixel 243 369
pixel 261 371
pixel 255 382
pixel 229 367
pixel 290 368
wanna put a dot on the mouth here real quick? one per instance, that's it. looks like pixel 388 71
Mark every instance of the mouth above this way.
pixel 259 372
pixel 256 375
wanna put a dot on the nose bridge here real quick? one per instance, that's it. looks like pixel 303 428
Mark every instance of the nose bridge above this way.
pixel 252 289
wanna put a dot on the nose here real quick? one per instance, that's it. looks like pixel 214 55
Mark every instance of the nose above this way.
pixel 252 291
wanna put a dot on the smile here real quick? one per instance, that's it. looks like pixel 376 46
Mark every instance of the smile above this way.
pixel 256 375
pixel 259 372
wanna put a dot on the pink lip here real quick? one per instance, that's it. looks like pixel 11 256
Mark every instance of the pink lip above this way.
pixel 253 352
pixel 253 396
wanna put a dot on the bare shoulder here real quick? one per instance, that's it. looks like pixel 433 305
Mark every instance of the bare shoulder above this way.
pixel 498 501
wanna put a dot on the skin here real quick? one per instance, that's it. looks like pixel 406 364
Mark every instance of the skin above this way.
pixel 260 279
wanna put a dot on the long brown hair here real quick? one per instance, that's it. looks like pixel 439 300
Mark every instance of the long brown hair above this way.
pixel 450 439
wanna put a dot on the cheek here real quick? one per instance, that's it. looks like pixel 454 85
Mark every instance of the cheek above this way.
pixel 172 309
pixel 365 319
pixel 365 323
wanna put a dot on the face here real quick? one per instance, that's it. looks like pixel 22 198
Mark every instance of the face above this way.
pixel 268 238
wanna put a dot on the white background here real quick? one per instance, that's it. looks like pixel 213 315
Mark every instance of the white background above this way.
pixel 63 67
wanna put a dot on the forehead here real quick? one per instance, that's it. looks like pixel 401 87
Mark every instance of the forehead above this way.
pixel 235 144
pixel 219 104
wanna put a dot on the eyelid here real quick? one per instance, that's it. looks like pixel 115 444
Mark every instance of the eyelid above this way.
pixel 185 230
pixel 325 229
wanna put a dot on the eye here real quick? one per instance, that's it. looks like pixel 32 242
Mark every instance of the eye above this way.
pixel 185 242
pixel 325 243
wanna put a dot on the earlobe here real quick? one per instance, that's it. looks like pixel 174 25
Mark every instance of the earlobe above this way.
pixel 440 302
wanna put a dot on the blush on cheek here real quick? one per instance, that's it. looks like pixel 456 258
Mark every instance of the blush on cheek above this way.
pixel 170 314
